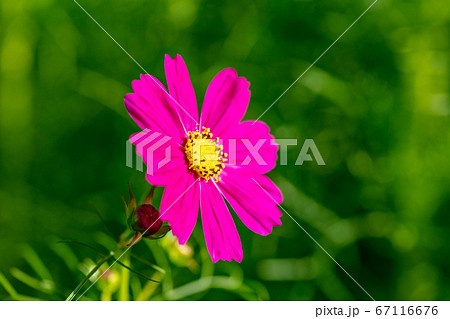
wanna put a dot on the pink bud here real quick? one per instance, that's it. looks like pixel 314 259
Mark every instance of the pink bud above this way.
pixel 146 220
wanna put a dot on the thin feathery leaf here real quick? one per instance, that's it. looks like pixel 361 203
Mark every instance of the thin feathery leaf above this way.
pixel 100 216
pixel 102 251
pixel 157 268
pixel 136 272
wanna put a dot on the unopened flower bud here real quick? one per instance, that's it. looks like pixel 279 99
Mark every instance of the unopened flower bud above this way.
pixel 146 220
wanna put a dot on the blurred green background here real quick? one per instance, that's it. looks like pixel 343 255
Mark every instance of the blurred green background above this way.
pixel 376 105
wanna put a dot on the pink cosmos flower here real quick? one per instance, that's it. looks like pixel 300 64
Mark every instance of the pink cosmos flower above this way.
pixel 201 161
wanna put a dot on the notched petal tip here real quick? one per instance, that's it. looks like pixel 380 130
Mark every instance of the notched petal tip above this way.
pixel 127 100
pixel 230 72
pixel 168 61
pixel 128 96
pixel 237 258
pixel 181 240
pixel 245 84
pixel 178 59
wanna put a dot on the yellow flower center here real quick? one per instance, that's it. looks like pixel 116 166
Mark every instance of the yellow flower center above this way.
pixel 204 154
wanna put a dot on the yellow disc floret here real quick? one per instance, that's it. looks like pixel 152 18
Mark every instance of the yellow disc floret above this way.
pixel 204 154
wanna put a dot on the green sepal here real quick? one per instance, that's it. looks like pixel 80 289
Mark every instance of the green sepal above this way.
pixel 149 198
pixel 132 203
pixel 165 228
pixel 130 208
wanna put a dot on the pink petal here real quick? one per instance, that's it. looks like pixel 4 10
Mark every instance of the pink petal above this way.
pixel 151 108
pixel 221 236
pixel 254 202
pixel 163 157
pixel 180 88
pixel 250 146
pixel 225 103
pixel 179 205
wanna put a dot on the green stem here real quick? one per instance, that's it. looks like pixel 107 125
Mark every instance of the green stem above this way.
pixel 89 275
pixel 123 239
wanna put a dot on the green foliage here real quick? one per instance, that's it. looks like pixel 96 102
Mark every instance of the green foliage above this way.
pixel 376 105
